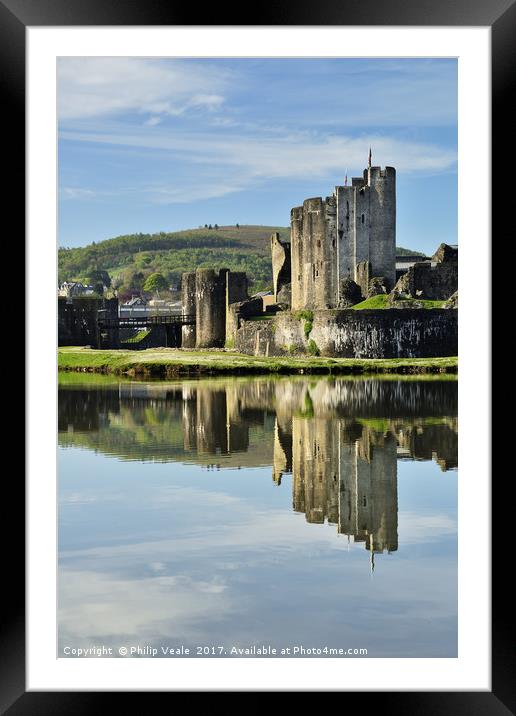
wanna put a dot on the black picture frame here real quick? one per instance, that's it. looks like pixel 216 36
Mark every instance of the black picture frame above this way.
pixel 15 17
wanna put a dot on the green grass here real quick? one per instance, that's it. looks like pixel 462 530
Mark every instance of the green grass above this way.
pixel 433 304
pixel 79 379
pixel 170 362
pixel 138 336
pixel 380 301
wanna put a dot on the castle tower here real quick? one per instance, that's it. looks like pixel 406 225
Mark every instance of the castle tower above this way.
pixel 382 230
pixel 210 304
pixel 314 254
pixel 366 225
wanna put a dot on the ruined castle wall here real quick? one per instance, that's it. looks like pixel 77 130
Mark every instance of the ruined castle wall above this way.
pixel 77 321
pixel 257 338
pixel 297 255
pixel 235 312
pixel 326 258
pixel 236 292
pixel 362 276
pixel 188 337
pixel 314 254
pixel 236 286
pixel 313 234
pixel 232 324
pixel 400 333
pixel 346 230
pixel 436 283
pixel 382 208
pixel 210 304
pixel 385 334
pixel 362 222
pixel 281 267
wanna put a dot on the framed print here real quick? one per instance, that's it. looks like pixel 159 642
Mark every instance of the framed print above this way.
pixel 257 467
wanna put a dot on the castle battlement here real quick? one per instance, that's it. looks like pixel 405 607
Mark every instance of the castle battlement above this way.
pixel 384 173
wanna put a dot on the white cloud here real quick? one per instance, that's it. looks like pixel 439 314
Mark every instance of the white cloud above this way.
pixel 192 190
pixel 230 163
pixel 153 121
pixel 159 110
pixel 70 192
pixel 99 86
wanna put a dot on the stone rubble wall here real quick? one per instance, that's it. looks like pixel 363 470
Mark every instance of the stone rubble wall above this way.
pixel 409 333
pixel 436 283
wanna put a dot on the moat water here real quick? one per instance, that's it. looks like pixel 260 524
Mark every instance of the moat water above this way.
pixel 205 517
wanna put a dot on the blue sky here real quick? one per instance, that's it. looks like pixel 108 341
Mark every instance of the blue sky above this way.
pixel 150 144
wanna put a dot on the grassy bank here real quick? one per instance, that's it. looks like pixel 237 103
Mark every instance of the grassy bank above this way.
pixel 169 362
pixel 381 302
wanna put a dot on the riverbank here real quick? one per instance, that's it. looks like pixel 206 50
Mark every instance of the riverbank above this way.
pixel 171 362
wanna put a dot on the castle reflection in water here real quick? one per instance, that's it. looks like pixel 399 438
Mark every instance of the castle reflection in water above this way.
pixel 341 440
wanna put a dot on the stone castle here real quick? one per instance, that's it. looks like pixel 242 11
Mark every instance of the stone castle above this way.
pixel 349 235
pixel 342 250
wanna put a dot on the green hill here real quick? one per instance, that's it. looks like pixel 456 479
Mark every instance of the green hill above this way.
pixel 130 259
pixel 400 251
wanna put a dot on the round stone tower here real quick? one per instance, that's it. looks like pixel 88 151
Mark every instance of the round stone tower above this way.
pixel 210 299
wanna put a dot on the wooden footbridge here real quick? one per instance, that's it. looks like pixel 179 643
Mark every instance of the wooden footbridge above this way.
pixel 114 330
pixel 109 322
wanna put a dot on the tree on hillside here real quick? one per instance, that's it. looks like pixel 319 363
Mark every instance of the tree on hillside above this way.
pixel 155 282
pixel 98 276
pixel 133 279
pixel 116 284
